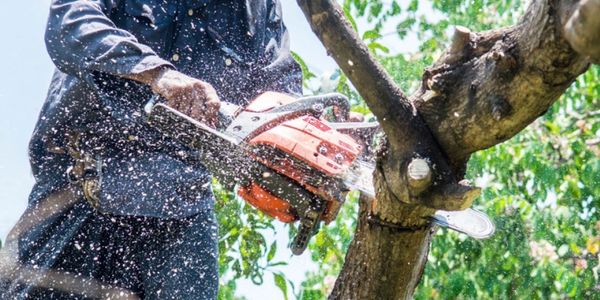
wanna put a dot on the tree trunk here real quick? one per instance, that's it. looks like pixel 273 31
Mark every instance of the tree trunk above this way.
pixel 486 87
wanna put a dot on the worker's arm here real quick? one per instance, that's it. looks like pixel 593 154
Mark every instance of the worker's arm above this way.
pixel 82 41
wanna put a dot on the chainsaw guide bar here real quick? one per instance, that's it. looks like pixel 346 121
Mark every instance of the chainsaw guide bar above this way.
pixel 471 222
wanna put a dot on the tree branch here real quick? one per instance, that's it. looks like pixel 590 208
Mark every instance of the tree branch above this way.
pixel 504 80
pixel 409 137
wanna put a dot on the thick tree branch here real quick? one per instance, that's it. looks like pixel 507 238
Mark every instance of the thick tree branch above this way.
pixel 503 81
pixel 371 279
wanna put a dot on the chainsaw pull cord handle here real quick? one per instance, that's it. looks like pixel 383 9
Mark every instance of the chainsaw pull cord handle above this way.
pixel 317 104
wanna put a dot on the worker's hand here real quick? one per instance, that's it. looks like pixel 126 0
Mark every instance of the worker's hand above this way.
pixel 193 97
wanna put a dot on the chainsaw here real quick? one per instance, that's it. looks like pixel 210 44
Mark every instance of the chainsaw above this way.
pixel 288 161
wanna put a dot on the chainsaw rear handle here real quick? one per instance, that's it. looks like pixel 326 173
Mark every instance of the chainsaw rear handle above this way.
pixel 316 104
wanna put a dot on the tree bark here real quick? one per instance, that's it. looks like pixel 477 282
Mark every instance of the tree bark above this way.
pixel 486 87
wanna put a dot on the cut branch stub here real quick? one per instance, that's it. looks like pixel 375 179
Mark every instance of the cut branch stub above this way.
pixel 415 181
pixel 460 41
pixel 583 29
pixel 419 176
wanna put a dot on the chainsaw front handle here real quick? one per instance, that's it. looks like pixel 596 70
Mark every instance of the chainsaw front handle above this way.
pixel 248 123
pixel 316 104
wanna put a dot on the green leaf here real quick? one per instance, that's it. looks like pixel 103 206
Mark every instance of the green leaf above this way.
pixel 272 251
pixel 413 6
pixel 281 283
pixel 306 73
pixel 374 46
pixel 552 127
pixel 396 9
pixel 279 263
pixel 371 35
pixel 350 18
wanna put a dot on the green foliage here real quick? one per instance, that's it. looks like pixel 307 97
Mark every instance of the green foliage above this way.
pixel 306 73
pixel 227 291
pixel 281 283
pixel 243 249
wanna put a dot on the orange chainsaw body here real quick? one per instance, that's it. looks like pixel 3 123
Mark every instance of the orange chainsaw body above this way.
pixel 303 145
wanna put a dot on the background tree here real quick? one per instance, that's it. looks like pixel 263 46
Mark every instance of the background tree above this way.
pixel 482 90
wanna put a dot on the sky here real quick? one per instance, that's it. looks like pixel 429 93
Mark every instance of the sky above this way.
pixel 25 76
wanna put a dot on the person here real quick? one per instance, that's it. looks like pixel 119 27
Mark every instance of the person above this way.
pixel 118 210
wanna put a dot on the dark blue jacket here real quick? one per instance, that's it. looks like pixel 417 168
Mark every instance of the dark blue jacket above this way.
pixel 240 47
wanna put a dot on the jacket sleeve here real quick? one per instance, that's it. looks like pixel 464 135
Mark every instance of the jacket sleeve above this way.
pixel 281 72
pixel 81 40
